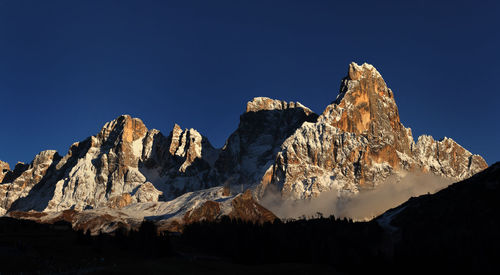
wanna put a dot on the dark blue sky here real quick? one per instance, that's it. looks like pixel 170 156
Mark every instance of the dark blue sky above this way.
pixel 67 67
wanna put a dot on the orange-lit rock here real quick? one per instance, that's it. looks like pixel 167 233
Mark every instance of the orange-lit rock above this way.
pixel 120 201
pixel 247 209
pixel 359 141
pixel 208 211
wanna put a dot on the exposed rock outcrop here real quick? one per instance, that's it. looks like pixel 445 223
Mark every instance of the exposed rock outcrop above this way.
pixel 208 211
pixel 4 169
pixel 251 149
pixel 28 176
pixel 124 163
pixel 179 163
pixel 127 173
pixel 359 141
pixel 244 207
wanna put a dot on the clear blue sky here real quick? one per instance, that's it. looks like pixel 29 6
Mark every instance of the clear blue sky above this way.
pixel 67 67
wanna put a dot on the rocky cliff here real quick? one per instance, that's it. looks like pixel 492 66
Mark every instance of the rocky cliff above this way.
pixel 359 141
pixel 251 149
pixel 128 172
pixel 124 163
pixel 4 169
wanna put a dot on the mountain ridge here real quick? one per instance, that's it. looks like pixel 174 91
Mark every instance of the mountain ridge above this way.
pixel 355 143
pixel 359 141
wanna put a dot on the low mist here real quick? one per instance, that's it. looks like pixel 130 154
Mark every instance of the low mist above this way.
pixel 365 205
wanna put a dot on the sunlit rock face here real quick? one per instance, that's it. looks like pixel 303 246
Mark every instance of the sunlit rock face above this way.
pixel 25 177
pixel 123 164
pixel 359 141
pixel 127 172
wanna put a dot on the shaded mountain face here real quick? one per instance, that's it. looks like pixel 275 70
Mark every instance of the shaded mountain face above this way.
pixel 252 148
pixel 179 163
pixel 475 197
pixel 359 141
pixel 455 228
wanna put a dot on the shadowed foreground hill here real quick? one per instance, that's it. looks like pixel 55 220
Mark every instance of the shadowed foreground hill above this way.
pixel 457 227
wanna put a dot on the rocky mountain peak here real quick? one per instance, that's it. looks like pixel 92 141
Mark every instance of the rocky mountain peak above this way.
pixel 9 175
pixel 18 183
pixel 124 128
pixel 359 141
pixel 121 137
pixel 250 150
pixel 188 144
pixel 364 105
pixel 355 144
pixel 177 129
pixel 268 104
pixel 357 72
pixel 4 169
pixel 185 142
pixel 4 165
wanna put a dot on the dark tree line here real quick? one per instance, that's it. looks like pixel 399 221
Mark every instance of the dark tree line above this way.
pixel 144 242
pixel 429 244
pixel 338 242
pixel 441 242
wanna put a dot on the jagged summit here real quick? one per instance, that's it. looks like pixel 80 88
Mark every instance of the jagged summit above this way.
pixel 268 104
pixel 4 169
pixel 357 142
pixel 124 128
pixel 366 70
pixel 4 165
pixel 191 145
pixel 364 102
pixel 123 163
pixel 251 149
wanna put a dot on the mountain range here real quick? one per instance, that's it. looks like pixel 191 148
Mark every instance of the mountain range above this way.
pixel 127 173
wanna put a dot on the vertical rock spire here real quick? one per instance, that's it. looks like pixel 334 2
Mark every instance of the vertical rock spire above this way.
pixel 358 141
